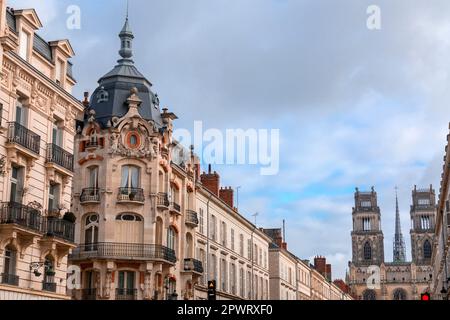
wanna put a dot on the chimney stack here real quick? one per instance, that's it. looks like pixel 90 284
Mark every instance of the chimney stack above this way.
pixel 320 264
pixel 328 271
pixel 227 195
pixel 211 181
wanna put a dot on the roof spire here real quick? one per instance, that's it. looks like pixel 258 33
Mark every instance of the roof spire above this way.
pixel 126 40
pixel 399 244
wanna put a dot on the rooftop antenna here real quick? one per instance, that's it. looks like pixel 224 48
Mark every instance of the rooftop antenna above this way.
pixel 284 231
pixel 255 215
pixel 128 6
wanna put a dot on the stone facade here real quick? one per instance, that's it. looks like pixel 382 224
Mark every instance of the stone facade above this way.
pixel 37 129
pixel 370 277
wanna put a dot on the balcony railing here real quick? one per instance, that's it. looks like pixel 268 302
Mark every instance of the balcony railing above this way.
pixel 191 218
pixel 126 251
pixel 16 213
pixel 54 227
pixel 90 195
pixel 59 156
pixel 175 208
pixel 131 195
pixel 49 286
pixel 19 134
pixel 126 294
pixel 89 294
pixel 163 200
pixel 195 265
pixel 10 279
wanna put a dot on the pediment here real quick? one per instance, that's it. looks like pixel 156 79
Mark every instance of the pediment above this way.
pixel 30 16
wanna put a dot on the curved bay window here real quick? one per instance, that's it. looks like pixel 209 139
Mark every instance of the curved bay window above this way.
pixel 91 232
pixel 367 251
pixel 9 266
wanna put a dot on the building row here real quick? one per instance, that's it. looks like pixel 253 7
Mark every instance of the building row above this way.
pixel 138 220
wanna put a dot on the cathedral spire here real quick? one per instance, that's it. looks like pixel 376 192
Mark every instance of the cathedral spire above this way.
pixel 399 243
pixel 126 41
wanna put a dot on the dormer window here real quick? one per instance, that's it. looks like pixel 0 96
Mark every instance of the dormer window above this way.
pixel 24 44
pixel 102 95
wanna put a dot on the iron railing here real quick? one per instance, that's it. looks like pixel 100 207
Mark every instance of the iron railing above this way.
pixel 49 286
pixel 19 134
pixel 89 294
pixel 131 194
pixel 90 195
pixel 59 156
pixel 191 218
pixel 176 207
pixel 54 227
pixel 195 265
pixel 16 213
pixel 126 294
pixel 131 251
pixel 163 199
pixel 10 279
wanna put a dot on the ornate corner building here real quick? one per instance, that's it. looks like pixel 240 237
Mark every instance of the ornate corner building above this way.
pixel 37 129
pixel 370 277
pixel 134 194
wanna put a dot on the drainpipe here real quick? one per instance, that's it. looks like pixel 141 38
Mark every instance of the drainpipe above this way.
pixel 207 238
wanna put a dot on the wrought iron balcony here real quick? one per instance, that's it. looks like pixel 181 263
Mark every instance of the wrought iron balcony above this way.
pixel 131 195
pixel 49 286
pixel 90 195
pixel 126 294
pixel 124 251
pixel 59 156
pixel 19 134
pixel 191 218
pixel 24 216
pixel 10 279
pixel 193 265
pixel 89 294
pixel 175 208
pixel 58 228
pixel 163 200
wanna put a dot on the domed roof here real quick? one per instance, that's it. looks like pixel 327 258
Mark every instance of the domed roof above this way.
pixel 109 99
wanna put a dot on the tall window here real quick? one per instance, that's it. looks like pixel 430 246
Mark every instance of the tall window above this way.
pixel 57 134
pixel 21 114
pixel 49 267
pixel 212 227
pixel 367 251
pixel 242 282
pixel 366 224
pixel 249 248
pixel 201 257
pixel 16 184
pixel 9 267
pixel 91 232
pixel 223 233
pixel 59 71
pixel 201 221
pixel 213 267
pixel 24 44
pixel 260 257
pixel 53 197
pixel 241 244
pixel 427 250
pixel 233 278
pixel 265 259
pixel 126 283
pixel 93 177
pixel 255 254
pixel 232 239
pixel 171 237
pixel 130 177
pixel 223 275
pixel 249 285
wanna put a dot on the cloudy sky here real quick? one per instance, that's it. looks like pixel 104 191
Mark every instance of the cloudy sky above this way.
pixel 355 107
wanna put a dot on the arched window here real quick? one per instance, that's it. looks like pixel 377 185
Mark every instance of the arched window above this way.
pixel 91 232
pixel 369 295
pixel 399 294
pixel 128 217
pixel 171 237
pixel 427 250
pixel 9 266
pixel 367 251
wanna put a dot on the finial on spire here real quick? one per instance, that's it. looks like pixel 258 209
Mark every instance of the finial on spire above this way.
pixel 128 5
pixel 126 39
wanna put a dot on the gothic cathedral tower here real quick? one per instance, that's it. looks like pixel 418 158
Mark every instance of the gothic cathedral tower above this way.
pixel 367 237
pixel 423 210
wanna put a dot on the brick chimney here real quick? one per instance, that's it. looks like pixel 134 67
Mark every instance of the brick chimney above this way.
pixel 320 264
pixel 328 271
pixel 284 245
pixel 211 181
pixel 227 195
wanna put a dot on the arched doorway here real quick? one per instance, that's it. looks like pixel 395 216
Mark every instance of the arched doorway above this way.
pixel 399 294
pixel 369 295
